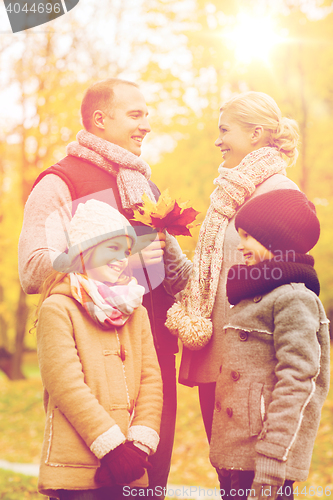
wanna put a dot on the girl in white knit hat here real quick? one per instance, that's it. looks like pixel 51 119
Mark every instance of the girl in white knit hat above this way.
pixel 101 378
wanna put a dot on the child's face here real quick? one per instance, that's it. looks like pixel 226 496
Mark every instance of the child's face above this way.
pixel 109 259
pixel 253 251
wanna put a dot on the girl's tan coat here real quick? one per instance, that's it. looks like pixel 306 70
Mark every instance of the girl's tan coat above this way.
pixel 88 390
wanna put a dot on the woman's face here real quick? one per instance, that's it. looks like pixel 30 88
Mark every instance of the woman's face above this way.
pixel 234 141
pixel 109 259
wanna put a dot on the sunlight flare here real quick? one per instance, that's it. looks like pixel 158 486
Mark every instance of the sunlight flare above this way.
pixel 253 37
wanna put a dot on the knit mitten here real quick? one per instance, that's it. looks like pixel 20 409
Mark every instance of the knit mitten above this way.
pixel 269 476
pixel 261 491
pixel 132 446
pixel 121 466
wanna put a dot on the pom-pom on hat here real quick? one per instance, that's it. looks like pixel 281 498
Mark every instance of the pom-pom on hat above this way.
pixel 281 220
pixel 92 223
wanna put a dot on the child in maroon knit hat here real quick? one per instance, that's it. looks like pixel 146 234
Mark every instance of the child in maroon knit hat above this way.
pixel 274 374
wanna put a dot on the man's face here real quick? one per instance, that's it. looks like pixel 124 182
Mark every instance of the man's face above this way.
pixel 128 124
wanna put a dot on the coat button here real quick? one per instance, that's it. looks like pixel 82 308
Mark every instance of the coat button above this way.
pixel 218 406
pixel 243 336
pixel 235 375
pixel 122 353
pixel 229 412
pixel 257 298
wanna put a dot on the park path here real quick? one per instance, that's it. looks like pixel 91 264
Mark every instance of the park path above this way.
pixel 173 491
pixel 27 469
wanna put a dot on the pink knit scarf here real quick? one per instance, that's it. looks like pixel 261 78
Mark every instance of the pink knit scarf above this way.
pixel 190 318
pixel 131 172
pixel 108 306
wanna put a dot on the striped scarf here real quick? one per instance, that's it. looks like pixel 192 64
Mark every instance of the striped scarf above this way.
pixel 108 306
pixel 190 318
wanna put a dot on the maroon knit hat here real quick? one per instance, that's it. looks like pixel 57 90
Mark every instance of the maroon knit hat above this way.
pixel 281 220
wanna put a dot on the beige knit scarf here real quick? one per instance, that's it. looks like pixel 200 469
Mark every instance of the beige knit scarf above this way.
pixel 190 318
pixel 131 172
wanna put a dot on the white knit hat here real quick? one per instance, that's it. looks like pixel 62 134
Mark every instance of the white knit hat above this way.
pixel 92 223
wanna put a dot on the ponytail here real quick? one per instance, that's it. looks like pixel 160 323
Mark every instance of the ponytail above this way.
pixel 286 138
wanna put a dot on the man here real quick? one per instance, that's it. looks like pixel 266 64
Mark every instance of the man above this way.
pixel 104 164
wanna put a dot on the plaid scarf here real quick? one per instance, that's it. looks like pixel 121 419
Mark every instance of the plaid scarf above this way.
pixel 131 172
pixel 107 306
pixel 190 318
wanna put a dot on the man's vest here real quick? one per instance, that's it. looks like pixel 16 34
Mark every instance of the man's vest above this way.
pixel 85 181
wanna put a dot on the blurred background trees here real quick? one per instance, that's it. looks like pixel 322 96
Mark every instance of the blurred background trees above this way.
pixel 188 56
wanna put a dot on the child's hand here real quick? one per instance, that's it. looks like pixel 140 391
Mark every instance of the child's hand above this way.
pixel 131 445
pixel 121 466
pixel 103 476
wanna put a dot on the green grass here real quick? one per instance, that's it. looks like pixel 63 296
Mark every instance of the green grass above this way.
pixel 21 420
pixel 15 486
pixel 22 428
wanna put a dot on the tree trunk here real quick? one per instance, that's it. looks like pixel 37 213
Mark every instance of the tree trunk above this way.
pixel 3 324
pixel 21 321
pixel 303 124
pixel 6 360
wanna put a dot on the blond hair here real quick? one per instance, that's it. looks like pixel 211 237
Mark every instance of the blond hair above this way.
pixel 251 109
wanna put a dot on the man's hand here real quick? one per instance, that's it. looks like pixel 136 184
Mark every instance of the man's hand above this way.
pixel 152 253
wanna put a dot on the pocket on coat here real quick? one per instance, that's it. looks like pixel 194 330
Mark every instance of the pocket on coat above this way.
pixel 66 447
pixel 256 408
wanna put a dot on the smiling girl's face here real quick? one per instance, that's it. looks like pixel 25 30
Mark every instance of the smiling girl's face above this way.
pixel 109 259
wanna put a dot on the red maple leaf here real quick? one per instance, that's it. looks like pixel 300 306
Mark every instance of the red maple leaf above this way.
pixel 177 221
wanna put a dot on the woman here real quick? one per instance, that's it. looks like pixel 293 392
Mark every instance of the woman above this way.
pixel 255 141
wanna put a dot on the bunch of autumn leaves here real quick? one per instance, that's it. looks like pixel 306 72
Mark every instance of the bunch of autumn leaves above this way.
pixel 166 214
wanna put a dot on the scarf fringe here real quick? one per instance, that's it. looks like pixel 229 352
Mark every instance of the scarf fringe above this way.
pixel 194 331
